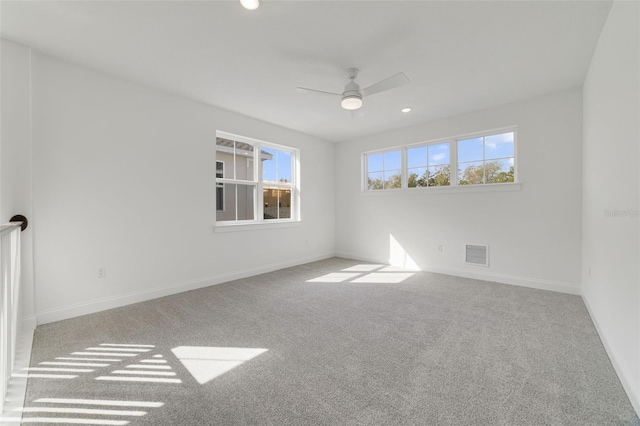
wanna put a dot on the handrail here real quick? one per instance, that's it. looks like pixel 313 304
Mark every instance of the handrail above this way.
pixel 8 227
pixel 9 299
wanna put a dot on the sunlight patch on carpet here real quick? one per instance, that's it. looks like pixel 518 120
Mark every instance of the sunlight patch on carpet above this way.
pixel 334 277
pixel 205 363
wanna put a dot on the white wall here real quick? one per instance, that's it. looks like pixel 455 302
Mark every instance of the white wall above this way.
pixel 15 160
pixel 610 253
pixel 533 233
pixel 124 178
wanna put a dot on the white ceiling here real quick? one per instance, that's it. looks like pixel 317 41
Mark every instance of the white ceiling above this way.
pixel 459 56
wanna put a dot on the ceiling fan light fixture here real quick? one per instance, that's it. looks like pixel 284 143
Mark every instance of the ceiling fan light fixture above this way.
pixel 351 102
pixel 250 4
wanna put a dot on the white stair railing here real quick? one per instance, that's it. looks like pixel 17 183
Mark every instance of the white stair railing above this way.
pixel 9 301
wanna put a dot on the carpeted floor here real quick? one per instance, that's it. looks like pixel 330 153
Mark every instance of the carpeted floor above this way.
pixel 334 342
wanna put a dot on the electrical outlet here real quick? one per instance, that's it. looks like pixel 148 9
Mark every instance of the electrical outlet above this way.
pixel 102 272
pixel 439 248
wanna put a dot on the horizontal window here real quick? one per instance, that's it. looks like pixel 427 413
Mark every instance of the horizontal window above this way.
pixel 481 159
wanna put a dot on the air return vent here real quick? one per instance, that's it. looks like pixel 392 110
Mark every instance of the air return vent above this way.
pixel 476 254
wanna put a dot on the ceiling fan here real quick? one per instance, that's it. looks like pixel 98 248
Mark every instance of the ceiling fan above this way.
pixel 352 94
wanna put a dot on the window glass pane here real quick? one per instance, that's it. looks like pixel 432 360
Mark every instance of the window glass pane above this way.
pixel 224 153
pixel 469 150
pixel 499 146
pixel 228 191
pixel 244 157
pixel 245 202
pixel 439 154
pixel 270 200
pixel 276 165
pixel 244 167
pixel 470 173
pixel 237 199
pixel 392 160
pixel 249 169
pixel 375 180
pixel 228 213
pixel 499 171
pixel 269 157
pixel 392 179
pixel 417 177
pixel 374 163
pixel 220 197
pixel 285 204
pixel 440 175
pixel 417 157
pixel 284 166
pixel 277 203
pixel 219 186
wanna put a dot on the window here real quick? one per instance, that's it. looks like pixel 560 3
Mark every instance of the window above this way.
pixel 255 181
pixel 384 170
pixel 487 158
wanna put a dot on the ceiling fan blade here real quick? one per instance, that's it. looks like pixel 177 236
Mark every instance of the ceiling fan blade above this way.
pixel 319 92
pixel 357 113
pixel 386 84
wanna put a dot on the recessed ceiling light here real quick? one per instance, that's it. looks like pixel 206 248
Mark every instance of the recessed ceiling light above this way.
pixel 406 109
pixel 250 4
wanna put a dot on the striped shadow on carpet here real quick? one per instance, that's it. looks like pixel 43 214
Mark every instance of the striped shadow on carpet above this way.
pixel 335 342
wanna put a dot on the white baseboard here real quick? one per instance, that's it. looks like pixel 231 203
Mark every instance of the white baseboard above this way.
pixel 487 276
pixel 28 324
pixel 530 282
pixel 94 306
pixel 632 392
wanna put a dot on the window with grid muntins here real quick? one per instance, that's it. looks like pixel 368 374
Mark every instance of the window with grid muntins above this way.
pixel 256 181
pixel 484 158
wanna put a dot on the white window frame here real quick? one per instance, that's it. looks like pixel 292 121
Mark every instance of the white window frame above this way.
pixel 454 186
pixel 258 184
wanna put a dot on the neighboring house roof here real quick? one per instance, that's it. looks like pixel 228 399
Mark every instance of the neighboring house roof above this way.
pixel 242 148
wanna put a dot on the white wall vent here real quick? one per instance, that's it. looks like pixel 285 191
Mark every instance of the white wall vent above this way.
pixel 476 254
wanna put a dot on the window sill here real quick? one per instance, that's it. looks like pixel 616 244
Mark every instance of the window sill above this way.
pixel 255 226
pixel 492 187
